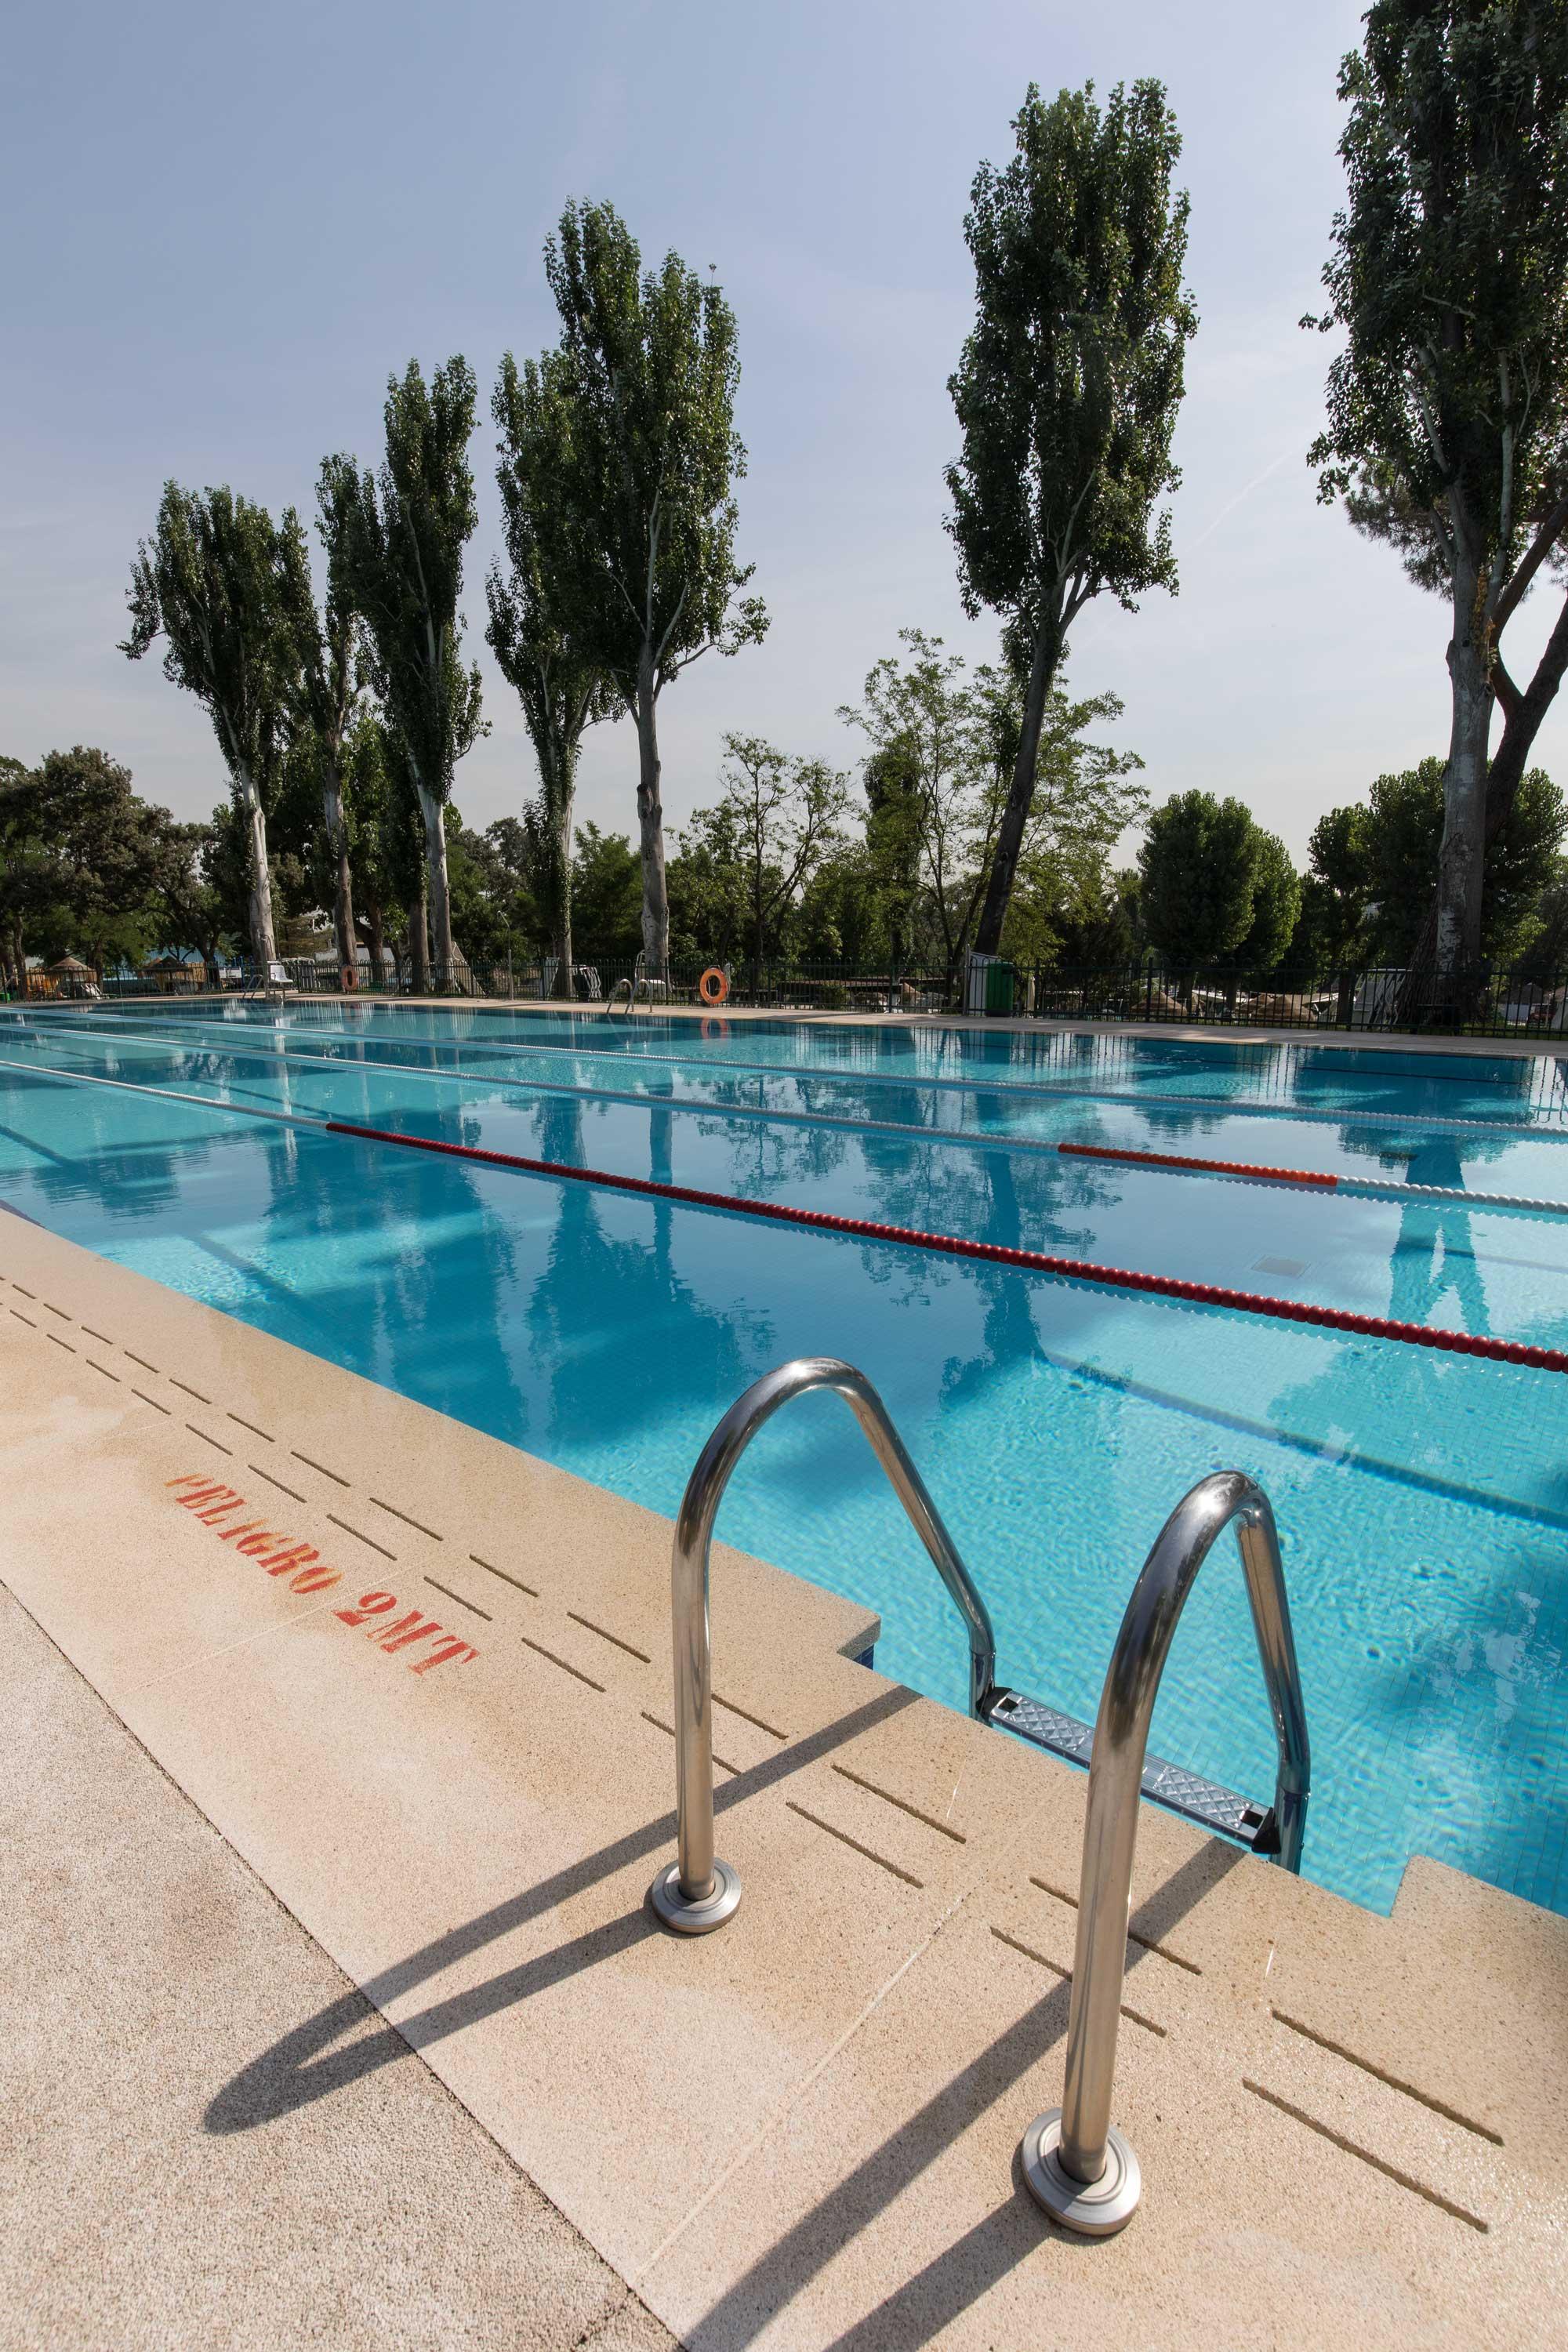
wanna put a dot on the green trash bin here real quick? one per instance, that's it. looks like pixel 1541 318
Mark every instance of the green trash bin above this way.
pixel 999 978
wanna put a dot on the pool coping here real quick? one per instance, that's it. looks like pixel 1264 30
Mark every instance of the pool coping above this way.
pixel 802 2131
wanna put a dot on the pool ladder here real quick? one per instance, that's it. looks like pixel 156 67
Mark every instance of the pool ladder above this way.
pixel 1077 2165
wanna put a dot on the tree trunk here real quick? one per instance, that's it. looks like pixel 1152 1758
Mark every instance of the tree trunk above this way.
pixel 560 801
pixel 343 893
pixel 376 941
pixel 1506 773
pixel 1020 792
pixel 1461 864
pixel 263 943
pixel 650 828
pixel 418 945
pixel 440 900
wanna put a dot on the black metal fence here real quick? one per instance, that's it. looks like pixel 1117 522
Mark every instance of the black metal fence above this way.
pixel 1486 1005
pixel 1483 1003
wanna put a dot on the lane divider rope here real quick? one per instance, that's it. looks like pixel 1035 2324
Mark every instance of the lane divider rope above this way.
pixel 166 1094
pixel 1370 1187
pixel 1220 1105
pixel 974 1140
pixel 1159 1286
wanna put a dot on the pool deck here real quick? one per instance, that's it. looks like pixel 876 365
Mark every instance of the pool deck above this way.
pixel 335 2012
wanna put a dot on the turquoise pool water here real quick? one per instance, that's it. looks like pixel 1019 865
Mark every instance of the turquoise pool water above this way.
pixel 1423 1499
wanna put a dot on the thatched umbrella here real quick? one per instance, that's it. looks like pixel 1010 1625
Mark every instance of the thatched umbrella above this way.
pixel 71 963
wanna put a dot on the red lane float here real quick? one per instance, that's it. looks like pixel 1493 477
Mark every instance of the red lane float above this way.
pixel 1204 1167
pixel 1161 1286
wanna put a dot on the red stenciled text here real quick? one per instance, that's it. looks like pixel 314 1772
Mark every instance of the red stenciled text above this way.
pixel 304 1570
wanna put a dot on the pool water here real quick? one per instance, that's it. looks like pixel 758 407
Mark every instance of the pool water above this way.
pixel 1421 1497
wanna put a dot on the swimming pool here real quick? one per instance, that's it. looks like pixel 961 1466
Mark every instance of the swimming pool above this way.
pixel 1422 1498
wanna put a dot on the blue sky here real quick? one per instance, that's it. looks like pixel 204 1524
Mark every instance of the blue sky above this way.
pixel 225 228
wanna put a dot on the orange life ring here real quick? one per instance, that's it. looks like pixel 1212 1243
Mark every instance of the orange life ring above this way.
pixel 714 988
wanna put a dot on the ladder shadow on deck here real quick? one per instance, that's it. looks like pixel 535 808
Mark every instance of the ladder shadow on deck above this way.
pixel 304 2066
pixel 934 2297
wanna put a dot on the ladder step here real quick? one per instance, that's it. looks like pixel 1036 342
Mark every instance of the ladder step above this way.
pixel 1204 1801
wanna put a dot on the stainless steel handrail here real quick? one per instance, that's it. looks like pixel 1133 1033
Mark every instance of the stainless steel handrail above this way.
pixel 1077 2165
pixel 698 1892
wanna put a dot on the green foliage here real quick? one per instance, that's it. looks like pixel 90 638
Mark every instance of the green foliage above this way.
pixel 631 421
pixel 87 858
pixel 1374 868
pixel 1545 958
pixel 385 833
pixel 327 681
pixel 1448 404
pixel 217 580
pixel 562 692
pixel 786 815
pixel 606 893
pixel 1336 893
pixel 709 909
pixel 933 736
pixel 1449 277
pixel 190 911
pixel 404 531
pixel 636 419
pixel 1067 391
pixel 1276 907
pixel 214 581
pixel 1199 866
pixel 936 783
pixel 1086 795
pixel 479 896
pixel 1102 926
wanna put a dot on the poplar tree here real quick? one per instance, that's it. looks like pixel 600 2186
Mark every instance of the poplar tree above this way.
pixel 562 692
pixel 214 580
pixel 643 509
pixel 1447 407
pixel 404 529
pixel 328 694
pixel 1066 394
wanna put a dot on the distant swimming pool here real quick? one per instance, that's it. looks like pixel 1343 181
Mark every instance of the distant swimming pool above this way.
pixel 1423 1499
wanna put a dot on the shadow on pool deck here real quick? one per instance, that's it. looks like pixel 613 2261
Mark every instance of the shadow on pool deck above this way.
pixel 932 2297
pixel 293 2072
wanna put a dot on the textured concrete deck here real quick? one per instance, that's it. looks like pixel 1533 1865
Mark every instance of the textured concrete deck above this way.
pixel 436 1731
pixel 140 1962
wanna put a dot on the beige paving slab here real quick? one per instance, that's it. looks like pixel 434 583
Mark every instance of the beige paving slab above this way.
pixel 800 2131
pixel 886 2210
pixel 141 1964
pixel 475 1851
